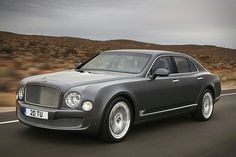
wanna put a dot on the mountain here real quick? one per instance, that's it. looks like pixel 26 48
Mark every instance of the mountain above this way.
pixel 24 55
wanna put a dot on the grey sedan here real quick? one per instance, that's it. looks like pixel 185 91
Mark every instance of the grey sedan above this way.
pixel 107 94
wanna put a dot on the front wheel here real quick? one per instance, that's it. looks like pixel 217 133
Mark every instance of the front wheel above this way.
pixel 117 121
pixel 205 106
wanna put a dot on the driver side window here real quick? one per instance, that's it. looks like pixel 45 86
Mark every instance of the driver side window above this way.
pixel 162 62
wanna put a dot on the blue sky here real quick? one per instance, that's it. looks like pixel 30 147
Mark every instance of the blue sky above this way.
pixel 210 22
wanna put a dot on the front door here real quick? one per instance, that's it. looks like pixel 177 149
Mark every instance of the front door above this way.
pixel 163 92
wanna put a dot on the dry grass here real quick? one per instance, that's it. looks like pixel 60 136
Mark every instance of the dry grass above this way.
pixel 7 99
pixel 27 55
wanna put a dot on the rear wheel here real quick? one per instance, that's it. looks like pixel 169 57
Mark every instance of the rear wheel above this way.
pixel 117 120
pixel 205 106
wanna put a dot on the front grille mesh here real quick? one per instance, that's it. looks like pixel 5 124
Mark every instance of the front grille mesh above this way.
pixel 42 95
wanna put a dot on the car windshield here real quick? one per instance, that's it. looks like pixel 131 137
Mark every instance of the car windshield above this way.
pixel 117 62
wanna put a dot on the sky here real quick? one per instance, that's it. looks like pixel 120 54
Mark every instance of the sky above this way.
pixel 205 22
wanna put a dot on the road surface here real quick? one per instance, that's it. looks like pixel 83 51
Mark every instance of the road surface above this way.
pixel 177 136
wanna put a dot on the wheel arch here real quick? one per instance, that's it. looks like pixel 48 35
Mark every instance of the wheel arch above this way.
pixel 211 88
pixel 129 98
pixel 198 113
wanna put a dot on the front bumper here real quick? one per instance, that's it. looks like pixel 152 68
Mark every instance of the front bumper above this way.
pixel 58 119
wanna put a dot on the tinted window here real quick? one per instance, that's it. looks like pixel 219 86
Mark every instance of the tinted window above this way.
pixel 182 64
pixel 192 67
pixel 118 62
pixel 163 62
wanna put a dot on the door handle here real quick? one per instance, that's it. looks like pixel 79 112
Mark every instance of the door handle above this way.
pixel 175 80
pixel 200 78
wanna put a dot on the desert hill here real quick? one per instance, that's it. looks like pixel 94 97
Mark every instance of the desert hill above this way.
pixel 24 55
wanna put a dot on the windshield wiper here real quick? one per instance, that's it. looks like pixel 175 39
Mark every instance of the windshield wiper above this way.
pixel 82 71
pixel 79 70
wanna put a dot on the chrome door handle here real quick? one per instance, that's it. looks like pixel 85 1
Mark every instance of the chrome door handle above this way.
pixel 175 80
pixel 200 78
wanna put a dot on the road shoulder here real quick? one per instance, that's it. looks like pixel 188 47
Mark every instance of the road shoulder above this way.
pixel 7 109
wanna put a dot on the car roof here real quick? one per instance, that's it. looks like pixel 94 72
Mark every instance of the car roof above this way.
pixel 156 53
pixel 143 51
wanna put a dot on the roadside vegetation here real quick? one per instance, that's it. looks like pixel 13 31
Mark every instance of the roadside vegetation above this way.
pixel 26 55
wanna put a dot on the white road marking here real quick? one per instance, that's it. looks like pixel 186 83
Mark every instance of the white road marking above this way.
pixel 7 122
pixel 227 94
pixel 15 121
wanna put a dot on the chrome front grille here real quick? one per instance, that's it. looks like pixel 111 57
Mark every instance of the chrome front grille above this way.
pixel 42 95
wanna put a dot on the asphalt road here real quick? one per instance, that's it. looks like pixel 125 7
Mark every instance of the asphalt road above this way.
pixel 177 136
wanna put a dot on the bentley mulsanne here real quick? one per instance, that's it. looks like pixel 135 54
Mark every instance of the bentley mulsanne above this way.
pixel 108 93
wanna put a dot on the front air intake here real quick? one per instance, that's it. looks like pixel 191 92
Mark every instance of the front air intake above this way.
pixel 42 96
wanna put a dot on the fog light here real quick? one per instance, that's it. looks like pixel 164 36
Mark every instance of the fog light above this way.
pixel 87 106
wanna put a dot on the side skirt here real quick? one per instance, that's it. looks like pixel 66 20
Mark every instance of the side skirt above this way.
pixel 142 114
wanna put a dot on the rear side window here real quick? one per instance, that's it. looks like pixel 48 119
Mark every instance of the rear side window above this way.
pixel 182 64
pixel 192 67
pixel 162 62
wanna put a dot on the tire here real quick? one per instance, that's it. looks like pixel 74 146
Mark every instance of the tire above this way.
pixel 205 106
pixel 117 121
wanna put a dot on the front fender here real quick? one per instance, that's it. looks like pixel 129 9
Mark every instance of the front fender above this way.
pixel 102 94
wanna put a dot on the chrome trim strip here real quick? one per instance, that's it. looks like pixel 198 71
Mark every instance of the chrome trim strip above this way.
pixel 174 74
pixel 218 97
pixel 177 108
pixel 227 94
pixel 200 78
pixel 175 80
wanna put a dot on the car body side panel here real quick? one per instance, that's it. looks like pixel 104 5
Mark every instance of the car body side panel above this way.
pixel 211 82
pixel 190 86
pixel 163 93
pixel 103 93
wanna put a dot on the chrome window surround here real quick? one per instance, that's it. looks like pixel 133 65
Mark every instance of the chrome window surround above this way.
pixel 174 74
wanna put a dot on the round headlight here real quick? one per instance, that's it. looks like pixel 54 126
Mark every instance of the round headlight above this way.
pixel 72 99
pixel 87 106
pixel 20 94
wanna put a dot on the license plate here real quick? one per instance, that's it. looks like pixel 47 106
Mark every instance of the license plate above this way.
pixel 36 113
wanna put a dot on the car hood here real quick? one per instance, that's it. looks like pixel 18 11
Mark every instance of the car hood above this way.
pixel 73 78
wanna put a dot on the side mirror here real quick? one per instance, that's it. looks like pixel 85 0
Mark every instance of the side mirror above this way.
pixel 160 72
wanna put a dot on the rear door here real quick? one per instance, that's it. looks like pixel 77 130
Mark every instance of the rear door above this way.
pixel 187 74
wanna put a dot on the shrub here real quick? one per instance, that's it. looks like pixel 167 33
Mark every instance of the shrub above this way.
pixel 45 66
pixel 6 84
pixel 32 43
pixel 7 49
pixel 9 72
pixel 68 52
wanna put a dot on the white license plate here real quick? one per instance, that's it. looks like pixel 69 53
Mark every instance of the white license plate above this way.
pixel 36 113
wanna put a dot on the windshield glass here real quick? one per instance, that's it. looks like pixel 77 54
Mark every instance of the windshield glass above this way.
pixel 127 63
